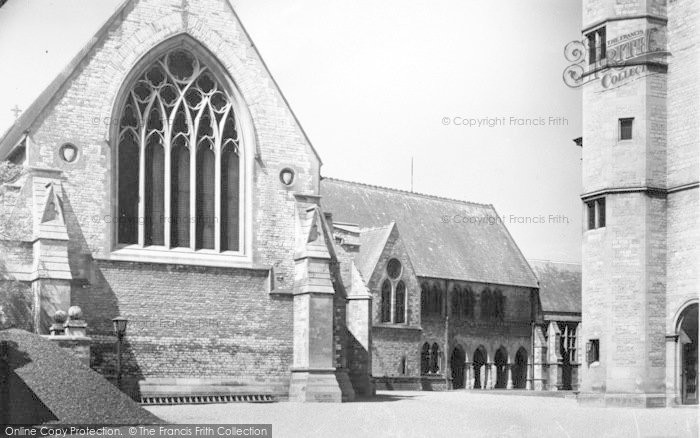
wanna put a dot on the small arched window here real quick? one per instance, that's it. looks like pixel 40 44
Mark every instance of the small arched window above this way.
pixel 400 303
pixel 435 358
pixel 486 304
pixel 178 159
pixel 499 305
pixel 386 301
pixel 425 359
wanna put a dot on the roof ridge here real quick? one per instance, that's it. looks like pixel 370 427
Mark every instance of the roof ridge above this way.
pixel 381 227
pixel 553 261
pixel 423 195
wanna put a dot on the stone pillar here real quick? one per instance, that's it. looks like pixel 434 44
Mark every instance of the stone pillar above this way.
pixel 490 377
pixel 529 385
pixel 539 359
pixel 482 376
pixel 73 337
pixel 554 359
pixel 359 324
pixel 673 376
pixel 469 375
pixel 509 376
pixel 51 275
pixel 313 368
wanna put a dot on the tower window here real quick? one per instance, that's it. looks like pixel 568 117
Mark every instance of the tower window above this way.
pixel 601 212
pixel 626 128
pixel 596 45
pixel 595 213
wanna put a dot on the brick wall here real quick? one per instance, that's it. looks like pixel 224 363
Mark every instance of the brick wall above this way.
pixel 191 321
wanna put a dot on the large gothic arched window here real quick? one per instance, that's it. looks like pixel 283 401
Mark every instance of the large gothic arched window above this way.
pixel 178 159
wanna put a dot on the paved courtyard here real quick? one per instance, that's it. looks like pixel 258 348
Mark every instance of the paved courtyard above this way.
pixel 445 414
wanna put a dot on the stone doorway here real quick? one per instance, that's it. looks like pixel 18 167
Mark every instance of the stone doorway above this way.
pixel 520 369
pixel 688 342
pixel 501 362
pixel 457 360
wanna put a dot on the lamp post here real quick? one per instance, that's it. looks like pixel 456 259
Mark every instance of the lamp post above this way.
pixel 120 329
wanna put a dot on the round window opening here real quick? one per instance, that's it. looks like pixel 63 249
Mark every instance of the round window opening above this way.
pixel 393 268
pixel 287 176
pixel 68 152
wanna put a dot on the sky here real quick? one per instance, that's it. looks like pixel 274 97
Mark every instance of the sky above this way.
pixel 471 91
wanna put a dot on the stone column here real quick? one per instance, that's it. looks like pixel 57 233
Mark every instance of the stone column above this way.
pixel 539 359
pixel 359 324
pixel 51 275
pixel 490 377
pixel 469 375
pixel 509 376
pixel 313 368
pixel 554 359
pixel 673 375
pixel 482 376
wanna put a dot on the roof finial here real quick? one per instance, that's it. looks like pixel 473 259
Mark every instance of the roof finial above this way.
pixel 17 111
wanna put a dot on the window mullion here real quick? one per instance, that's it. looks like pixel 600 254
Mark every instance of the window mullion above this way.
pixel 142 187
pixel 193 182
pixel 392 301
pixel 217 185
pixel 167 213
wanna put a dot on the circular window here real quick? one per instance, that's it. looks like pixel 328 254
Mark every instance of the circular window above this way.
pixel 68 152
pixel 393 268
pixel 287 176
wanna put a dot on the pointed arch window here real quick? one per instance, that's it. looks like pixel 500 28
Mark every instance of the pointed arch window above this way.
pixel 386 301
pixel 393 294
pixel 179 160
pixel 400 303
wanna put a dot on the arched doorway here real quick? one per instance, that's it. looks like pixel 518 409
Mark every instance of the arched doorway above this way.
pixel 688 342
pixel 501 362
pixel 479 366
pixel 457 360
pixel 520 369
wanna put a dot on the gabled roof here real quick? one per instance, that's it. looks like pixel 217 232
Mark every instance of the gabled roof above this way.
pixel 372 243
pixel 560 286
pixel 438 248
pixel 24 122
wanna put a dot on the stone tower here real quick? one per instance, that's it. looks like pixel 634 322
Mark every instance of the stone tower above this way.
pixel 640 201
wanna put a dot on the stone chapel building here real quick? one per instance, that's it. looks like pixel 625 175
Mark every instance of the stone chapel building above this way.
pixel 168 181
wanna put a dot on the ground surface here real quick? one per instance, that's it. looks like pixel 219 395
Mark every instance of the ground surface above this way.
pixel 445 415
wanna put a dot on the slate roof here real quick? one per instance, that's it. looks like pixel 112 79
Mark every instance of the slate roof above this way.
pixel 58 388
pixel 560 286
pixel 480 252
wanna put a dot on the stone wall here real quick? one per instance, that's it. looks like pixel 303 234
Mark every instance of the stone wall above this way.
pixel 185 320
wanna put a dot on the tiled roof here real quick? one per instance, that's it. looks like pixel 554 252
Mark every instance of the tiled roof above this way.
pixel 560 286
pixel 445 238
